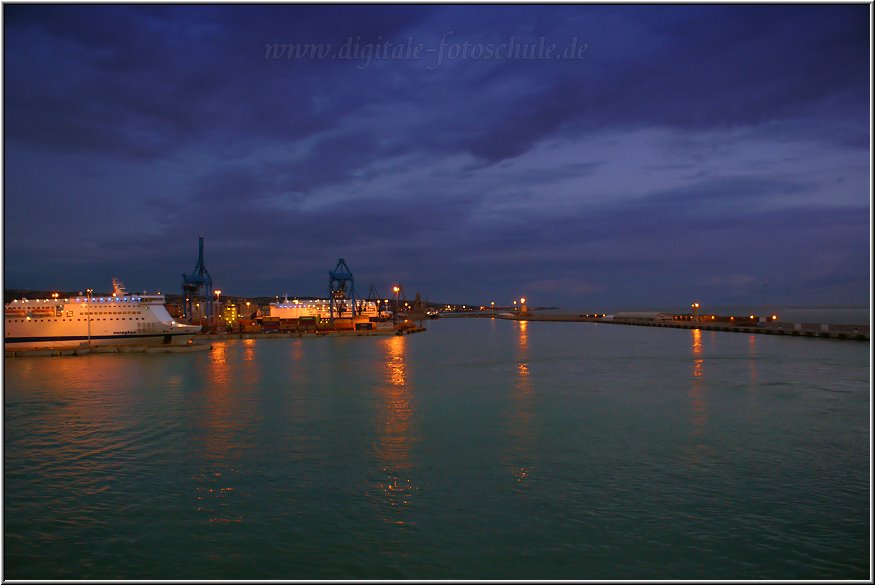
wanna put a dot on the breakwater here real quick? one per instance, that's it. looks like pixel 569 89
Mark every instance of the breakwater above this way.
pixel 820 330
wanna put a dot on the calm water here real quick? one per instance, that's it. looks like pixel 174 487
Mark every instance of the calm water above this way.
pixel 480 449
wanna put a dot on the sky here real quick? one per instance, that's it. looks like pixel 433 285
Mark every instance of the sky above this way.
pixel 590 157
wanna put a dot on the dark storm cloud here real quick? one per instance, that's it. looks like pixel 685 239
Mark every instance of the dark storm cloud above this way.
pixel 706 67
pixel 145 81
pixel 525 170
pixel 190 71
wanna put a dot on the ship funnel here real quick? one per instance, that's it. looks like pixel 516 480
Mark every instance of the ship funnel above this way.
pixel 118 288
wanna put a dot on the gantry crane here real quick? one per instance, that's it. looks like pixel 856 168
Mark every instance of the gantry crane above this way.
pixel 341 291
pixel 192 285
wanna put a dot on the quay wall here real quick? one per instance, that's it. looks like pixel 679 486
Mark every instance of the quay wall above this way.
pixel 201 337
pixel 69 351
pixel 297 334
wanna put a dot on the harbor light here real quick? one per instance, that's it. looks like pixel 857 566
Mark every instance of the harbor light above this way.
pixel 522 300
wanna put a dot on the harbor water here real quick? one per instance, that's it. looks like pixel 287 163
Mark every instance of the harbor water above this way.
pixel 480 449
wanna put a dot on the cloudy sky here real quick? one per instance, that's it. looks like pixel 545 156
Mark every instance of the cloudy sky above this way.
pixel 585 156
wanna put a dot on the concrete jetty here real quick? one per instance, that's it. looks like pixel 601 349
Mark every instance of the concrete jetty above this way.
pixel 819 330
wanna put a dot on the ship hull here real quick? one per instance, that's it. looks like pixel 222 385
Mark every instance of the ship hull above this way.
pixel 77 341
pixel 120 319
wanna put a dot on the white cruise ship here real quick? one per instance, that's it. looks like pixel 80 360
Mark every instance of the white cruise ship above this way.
pixel 119 319
pixel 320 308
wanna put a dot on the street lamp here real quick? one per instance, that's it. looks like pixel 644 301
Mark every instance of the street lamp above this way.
pixel 395 289
pixel 218 292
pixel 88 292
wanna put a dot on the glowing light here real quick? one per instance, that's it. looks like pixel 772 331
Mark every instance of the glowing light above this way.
pixel 522 300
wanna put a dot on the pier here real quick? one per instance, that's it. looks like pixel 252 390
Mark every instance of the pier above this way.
pixel 818 330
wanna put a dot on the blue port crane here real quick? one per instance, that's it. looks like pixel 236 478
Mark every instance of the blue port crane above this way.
pixel 192 285
pixel 341 291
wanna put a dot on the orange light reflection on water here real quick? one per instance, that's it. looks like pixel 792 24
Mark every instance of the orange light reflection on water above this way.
pixel 249 350
pixel 752 362
pixel 395 434
pixel 225 415
pixel 524 334
pixel 93 408
pixel 697 395
pixel 519 418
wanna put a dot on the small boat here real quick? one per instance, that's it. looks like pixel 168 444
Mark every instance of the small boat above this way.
pixel 43 312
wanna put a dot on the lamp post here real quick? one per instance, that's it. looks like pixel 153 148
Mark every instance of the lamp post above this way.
pixel 395 289
pixel 88 292
pixel 695 307
pixel 218 309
